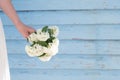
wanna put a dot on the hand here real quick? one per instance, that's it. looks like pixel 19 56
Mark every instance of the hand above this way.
pixel 25 30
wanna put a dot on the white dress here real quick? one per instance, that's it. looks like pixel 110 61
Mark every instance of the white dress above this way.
pixel 4 65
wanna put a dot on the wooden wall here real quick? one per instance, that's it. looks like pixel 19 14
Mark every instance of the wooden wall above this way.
pixel 89 40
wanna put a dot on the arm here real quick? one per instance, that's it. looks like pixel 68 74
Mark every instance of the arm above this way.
pixel 9 10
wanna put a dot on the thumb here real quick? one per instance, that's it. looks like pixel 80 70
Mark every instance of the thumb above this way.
pixel 31 30
pixel 26 34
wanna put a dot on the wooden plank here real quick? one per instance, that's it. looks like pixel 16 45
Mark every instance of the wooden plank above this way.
pixel 67 74
pixel 87 52
pixel 44 74
pixel 72 47
pixel 65 61
pixel 67 17
pixel 75 32
pixel 67 47
pixel 57 62
pixel 65 5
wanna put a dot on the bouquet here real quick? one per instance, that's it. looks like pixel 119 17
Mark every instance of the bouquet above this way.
pixel 43 43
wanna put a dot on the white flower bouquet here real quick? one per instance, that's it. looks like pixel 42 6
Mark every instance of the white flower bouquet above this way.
pixel 43 43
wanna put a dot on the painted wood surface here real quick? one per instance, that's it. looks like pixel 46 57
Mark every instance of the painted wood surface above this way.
pixel 75 32
pixel 64 61
pixel 72 47
pixel 67 17
pixel 66 4
pixel 69 74
pixel 89 40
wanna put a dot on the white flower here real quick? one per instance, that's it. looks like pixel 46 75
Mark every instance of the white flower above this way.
pixel 38 50
pixel 55 30
pixel 56 42
pixel 39 31
pixel 29 50
pixel 32 37
pixel 45 58
pixel 43 36
pixel 46 50
pixel 35 50
pixel 52 48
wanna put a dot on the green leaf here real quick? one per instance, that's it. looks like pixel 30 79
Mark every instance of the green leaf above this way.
pixel 42 43
pixel 50 40
pixel 27 40
pixel 50 31
pixel 33 43
pixel 35 32
pixel 42 55
pixel 44 29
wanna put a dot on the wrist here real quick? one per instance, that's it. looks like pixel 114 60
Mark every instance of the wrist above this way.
pixel 18 23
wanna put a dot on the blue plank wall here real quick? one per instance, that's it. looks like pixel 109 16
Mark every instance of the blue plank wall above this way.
pixel 89 40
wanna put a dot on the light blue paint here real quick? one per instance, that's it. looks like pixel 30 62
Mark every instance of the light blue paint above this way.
pixel 68 17
pixel 66 4
pixel 73 47
pixel 76 32
pixel 89 40
pixel 76 61
pixel 64 74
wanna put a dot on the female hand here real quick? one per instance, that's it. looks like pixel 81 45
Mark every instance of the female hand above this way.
pixel 7 7
pixel 25 30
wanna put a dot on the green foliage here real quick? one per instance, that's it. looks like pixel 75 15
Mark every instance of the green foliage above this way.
pixel 50 40
pixel 50 32
pixel 44 29
pixel 27 40
pixel 44 43
pixel 35 32
pixel 42 55
pixel 33 44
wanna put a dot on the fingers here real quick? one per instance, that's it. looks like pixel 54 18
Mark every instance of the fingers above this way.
pixel 31 30
pixel 26 35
